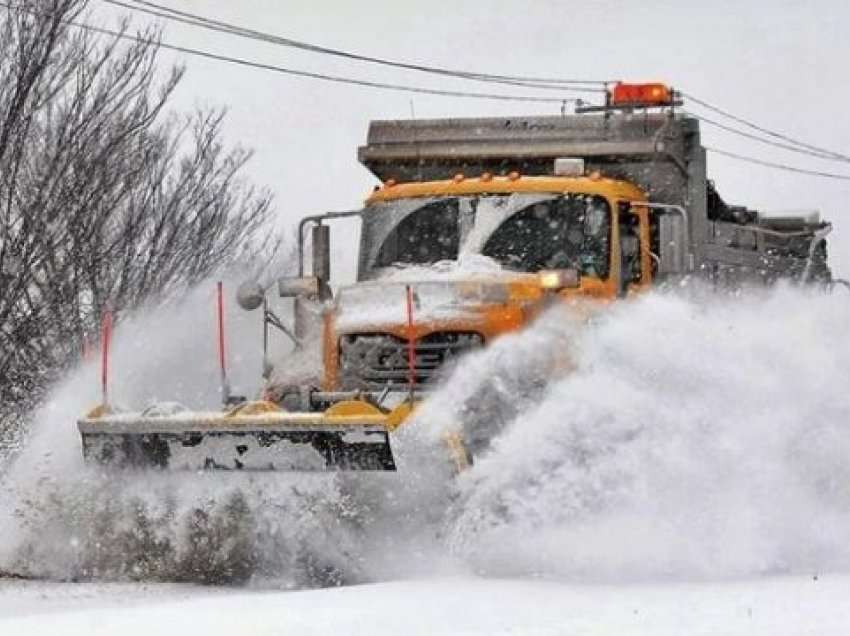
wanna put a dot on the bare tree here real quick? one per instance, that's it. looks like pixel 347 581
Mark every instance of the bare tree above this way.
pixel 104 197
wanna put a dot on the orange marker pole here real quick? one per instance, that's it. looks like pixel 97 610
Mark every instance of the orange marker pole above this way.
pixel 105 338
pixel 225 389
pixel 411 343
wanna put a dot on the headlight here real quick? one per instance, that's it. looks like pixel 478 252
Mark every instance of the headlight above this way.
pixel 555 279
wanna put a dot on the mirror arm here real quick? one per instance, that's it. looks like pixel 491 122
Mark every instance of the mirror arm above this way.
pixel 655 257
pixel 272 319
pixel 318 218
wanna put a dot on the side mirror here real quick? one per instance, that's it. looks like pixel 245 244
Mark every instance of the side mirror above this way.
pixel 304 286
pixel 322 252
pixel 250 295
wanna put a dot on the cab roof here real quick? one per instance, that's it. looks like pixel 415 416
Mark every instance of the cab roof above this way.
pixel 485 184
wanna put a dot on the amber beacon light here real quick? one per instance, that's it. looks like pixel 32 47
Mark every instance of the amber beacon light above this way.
pixel 652 94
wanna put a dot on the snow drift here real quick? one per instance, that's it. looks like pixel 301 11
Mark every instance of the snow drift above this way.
pixel 674 436
pixel 701 437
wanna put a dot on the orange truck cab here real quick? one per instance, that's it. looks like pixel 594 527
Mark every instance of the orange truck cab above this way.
pixel 479 224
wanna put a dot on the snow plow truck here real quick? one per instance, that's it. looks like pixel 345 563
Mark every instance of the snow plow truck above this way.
pixel 478 225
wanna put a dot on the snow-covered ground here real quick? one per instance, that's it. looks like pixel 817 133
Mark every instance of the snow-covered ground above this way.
pixel 773 606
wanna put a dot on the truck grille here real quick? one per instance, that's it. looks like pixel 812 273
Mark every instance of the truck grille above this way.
pixel 374 362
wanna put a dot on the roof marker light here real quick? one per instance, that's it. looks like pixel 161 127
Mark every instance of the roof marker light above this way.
pixel 569 167
pixel 650 94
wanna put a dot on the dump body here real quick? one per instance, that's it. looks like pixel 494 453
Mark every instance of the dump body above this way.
pixel 659 152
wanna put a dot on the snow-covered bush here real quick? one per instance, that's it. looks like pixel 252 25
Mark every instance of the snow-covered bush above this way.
pixel 106 199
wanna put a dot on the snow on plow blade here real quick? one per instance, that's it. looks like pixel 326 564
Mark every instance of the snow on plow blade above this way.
pixel 351 435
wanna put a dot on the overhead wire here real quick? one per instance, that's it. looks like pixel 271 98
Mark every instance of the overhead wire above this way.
pixel 792 145
pixel 778 166
pixel 766 131
pixel 339 79
pixel 547 83
pixel 769 142
pixel 153 8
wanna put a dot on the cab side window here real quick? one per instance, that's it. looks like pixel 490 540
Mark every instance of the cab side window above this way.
pixel 630 257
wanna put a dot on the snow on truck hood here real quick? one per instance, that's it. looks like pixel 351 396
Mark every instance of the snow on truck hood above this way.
pixel 443 291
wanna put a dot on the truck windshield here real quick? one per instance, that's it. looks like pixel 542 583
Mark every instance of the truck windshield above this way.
pixel 523 232
pixel 572 231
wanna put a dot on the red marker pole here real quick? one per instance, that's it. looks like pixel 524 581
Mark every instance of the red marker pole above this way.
pixel 225 390
pixel 411 343
pixel 105 338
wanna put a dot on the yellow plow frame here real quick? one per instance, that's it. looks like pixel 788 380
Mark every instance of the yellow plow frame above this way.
pixel 350 435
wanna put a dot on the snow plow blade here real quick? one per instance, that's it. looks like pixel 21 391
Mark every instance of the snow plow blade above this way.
pixel 352 435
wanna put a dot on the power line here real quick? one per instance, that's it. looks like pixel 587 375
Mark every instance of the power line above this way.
pixel 771 133
pixel 299 73
pixel 547 83
pixel 762 140
pixel 225 27
pixel 530 82
pixel 450 93
pixel 778 166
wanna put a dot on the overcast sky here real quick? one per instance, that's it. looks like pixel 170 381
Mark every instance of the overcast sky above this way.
pixel 781 64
